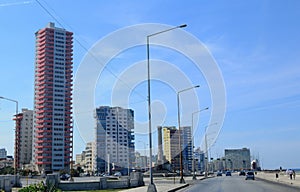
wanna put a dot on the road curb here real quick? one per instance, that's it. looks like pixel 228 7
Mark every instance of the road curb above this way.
pixel 178 188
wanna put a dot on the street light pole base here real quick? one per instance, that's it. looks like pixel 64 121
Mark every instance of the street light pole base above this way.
pixel 194 177
pixel 182 180
pixel 151 188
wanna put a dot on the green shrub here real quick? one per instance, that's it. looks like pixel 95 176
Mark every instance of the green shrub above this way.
pixel 40 187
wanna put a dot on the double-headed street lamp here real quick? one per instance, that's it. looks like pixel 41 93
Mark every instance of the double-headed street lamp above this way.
pixel 193 161
pixel 151 186
pixel 179 130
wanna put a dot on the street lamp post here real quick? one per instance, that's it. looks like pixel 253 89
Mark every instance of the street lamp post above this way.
pixel 179 130
pixel 15 159
pixel 193 161
pixel 205 137
pixel 206 163
pixel 12 101
pixel 151 186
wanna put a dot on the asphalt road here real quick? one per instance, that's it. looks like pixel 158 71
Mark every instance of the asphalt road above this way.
pixel 236 183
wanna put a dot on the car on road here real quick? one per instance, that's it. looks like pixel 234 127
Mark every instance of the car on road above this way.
pixel 219 173
pixel 250 175
pixel 242 173
pixel 118 174
pixel 65 177
pixel 228 173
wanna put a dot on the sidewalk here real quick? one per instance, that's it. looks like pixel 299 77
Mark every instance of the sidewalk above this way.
pixel 283 178
pixel 164 184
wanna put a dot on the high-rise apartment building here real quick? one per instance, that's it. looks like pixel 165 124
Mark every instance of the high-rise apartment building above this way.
pixel 199 156
pixel 172 146
pixel 187 148
pixel 114 139
pixel 53 129
pixel 23 140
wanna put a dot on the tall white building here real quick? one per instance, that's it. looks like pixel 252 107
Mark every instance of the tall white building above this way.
pixel 114 139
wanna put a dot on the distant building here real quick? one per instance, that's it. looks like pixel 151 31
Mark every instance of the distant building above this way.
pixel 187 150
pixel 23 140
pixel 79 158
pixel 3 153
pixel 172 146
pixel 89 157
pixel 200 159
pixel 53 126
pixel 237 159
pixel 114 139
pixel 160 155
pixel 7 162
pixel 141 162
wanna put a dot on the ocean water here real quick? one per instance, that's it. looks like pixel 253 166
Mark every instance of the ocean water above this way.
pixel 297 171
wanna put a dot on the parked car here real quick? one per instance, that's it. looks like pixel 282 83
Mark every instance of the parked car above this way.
pixel 219 173
pixel 118 174
pixel 250 175
pixel 228 173
pixel 65 177
pixel 242 173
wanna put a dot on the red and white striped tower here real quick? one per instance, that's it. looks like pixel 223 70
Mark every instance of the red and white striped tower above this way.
pixel 53 128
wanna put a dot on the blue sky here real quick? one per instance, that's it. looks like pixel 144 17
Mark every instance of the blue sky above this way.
pixel 256 45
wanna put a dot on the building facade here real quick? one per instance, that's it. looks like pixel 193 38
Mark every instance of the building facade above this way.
pixel 187 149
pixel 114 139
pixel 3 153
pixel 53 129
pixel 237 159
pixel 200 160
pixel 23 140
pixel 79 159
pixel 141 162
pixel 89 158
pixel 171 146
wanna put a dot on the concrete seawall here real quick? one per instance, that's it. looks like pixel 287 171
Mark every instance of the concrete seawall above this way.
pixel 135 180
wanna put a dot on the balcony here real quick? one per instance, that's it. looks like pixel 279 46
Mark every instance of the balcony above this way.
pixel 43 136
pixel 43 116
pixel 44 121
pixel 43 162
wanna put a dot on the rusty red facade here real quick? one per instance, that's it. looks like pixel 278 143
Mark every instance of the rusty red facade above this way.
pixel 18 118
pixel 53 129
